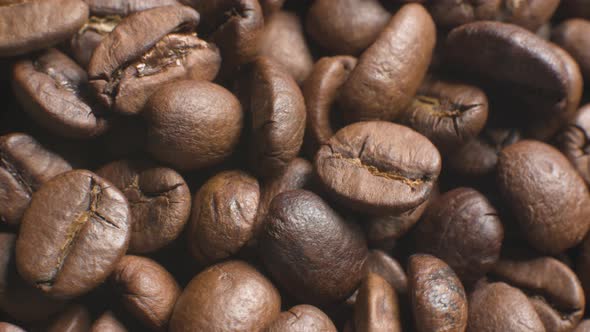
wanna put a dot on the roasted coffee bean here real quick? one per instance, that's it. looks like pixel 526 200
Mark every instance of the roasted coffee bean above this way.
pixel 146 50
pixel 27 26
pixel 437 296
pixel 192 124
pixel 270 7
pixel 7 327
pixel 230 296
pixel 448 114
pixel 548 198
pixel 53 90
pixel 75 318
pixel 283 42
pixel 124 7
pixel 108 322
pixel 147 290
pixel 388 268
pixel 24 166
pixel 223 216
pixel 376 307
pixel 72 235
pixel 85 41
pixel 378 167
pixel 497 307
pixel 574 36
pixel 321 90
pixel 159 200
pixel 584 326
pixel 553 289
pixel 573 142
pixel 346 27
pixel 314 254
pixel 303 317
pixel 389 72
pixel 462 228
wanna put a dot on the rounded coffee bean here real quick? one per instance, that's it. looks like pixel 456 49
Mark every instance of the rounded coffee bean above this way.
pixel 108 322
pixel 462 228
pixel 572 142
pixel 378 262
pixel 548 198
pixel 390 71
pixel 314 254
pixel 303 317
pixel 159 200
pixel 24 166
pixel 75 318
pixel 223 216
pixel 230 296
pixel 7 327
pixel 83 43
pixel 574 36
pixel 148 291
pixel 378 167
pixel 27 26
pixel 376 307
pixel 192 124
pixel 73 234
pixel 497 307
pixel 346 27
pixel 124 7
pixel 437 296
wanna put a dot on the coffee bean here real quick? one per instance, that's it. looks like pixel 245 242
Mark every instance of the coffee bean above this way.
pixel 378 262
pixel 270 7
pixel 192 124
pixel 378 167
pixel 584 326
pixel 7 327
pixel 159 200
pixel 389 72
pixel 376 307
pixel 583 266
pixel 310 250
pixel 437 296
pixel 572 142
pixel 574 36
pixel 24 166
pixel 85 41
pixel 226 297
pixel 125 7
pixel 303 317
pixel 108 322
pixel 75 318
pixel 549 200
pixel 72 235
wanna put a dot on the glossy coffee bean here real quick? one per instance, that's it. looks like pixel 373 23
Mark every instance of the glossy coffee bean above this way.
pixel 548 198
pixel 376 307
pixel 462 228
pixel 27 26
pixel 389 72
pixel 53 90
pixel 75 318
pixel 108 321
pixel 223 216
pixel 311 252
pixel 553 289
pixel 85 41
pixel 159 200
pixel 124 7
pixel 147 290
pixel 378 167
pixel 346 27
pixel 303 317
pixel 378 262
pixel 72 235
pixel 192 124
pixel 230 296
pixel 572 142
pixel 574 36
pixel 24 166
pixel 437 296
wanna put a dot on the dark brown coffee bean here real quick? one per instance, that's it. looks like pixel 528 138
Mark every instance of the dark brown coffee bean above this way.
pixel 346 27
pixel 108 322
pixel 574 36
pixel 553 289
pixel 192 124
pixel 7 327
pixel 73 233
pixel 27 26
pixel 85 41
pixel 146 50
pixel 278 115
pixel 303 317
pixel 389 72
pixel 24 166
pixel 53 90
pixel 75 318
pixel 437 296
pixel 573 142
pixel 584 326
pixel 223 216
pixel 449 114
pixel 270 7
pixel 159 199
pixel 314 254
pixel 462 228
pixel 148 291
pixel 497 307
pixel 125 7
pixel 376 307
pixel 321 90
pixel 388 268
pixel 231 296
pixel 548 198
pixel 378 167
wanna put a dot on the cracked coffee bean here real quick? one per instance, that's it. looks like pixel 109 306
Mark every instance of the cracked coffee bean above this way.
pixel 73 234
pixel 85 41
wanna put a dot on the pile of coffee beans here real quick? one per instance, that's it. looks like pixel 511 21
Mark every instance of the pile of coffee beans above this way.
pixel 294 165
